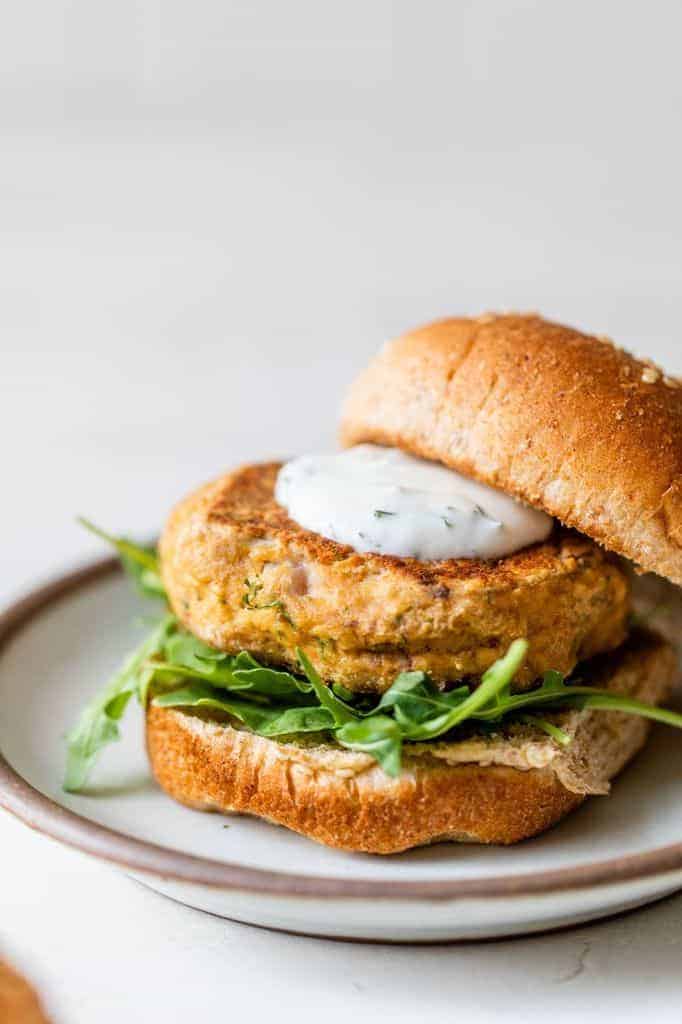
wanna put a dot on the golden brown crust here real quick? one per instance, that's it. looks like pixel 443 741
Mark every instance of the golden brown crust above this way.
pixel 241 575
pixel 344 799
pixel 565 421
pixel 18 1002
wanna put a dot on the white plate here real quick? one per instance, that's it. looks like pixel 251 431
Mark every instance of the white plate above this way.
pixel 62 642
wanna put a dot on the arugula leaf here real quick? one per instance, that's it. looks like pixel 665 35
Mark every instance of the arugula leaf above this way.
pixel 455 707
pixel 184 655
pixel 98 723
pixel 496 680
pixel 342 692
pixel 415 701
pixel 339 711
pixel 548 727
pixel 604 700
pixel 269 681
pixel 140 563
pixel 184 649
pixel 266 721
pixel 555 693
pixel 379 736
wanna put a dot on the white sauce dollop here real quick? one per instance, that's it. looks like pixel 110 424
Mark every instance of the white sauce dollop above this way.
pixel 385 501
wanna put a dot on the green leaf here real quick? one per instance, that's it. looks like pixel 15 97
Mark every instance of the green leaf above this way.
pixel 554 693
pixel 342 692
pixel 457 707
pixel 379 736
pixel 548 727
pixel 185 655
pixel 340 712
pixel 98 723
pixel 415 700
pixel 604 700
pixel 497 680
pixel 407 685
pixel 140 563
pixel 266 721
pixel 184 649
pixel 271 682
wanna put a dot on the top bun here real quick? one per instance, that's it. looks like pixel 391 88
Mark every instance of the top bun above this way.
pixel 565 421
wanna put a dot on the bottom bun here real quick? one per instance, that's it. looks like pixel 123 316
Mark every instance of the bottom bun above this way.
pixel 482 789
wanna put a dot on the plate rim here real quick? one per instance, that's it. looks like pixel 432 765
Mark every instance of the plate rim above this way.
pixel 46 816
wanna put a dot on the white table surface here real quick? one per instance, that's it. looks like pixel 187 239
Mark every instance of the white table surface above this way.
pixel 198 248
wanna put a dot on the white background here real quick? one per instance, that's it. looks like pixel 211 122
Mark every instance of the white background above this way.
pixel 211 215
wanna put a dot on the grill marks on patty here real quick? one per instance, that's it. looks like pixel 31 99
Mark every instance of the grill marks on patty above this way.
pixel 241 575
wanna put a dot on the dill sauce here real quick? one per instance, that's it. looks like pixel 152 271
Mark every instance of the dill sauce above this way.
pixel 385 501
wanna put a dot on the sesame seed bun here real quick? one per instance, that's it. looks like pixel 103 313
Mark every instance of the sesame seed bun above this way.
pixel 565 421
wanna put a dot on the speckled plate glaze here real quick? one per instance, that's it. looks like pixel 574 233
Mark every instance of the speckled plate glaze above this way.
pixel 64 639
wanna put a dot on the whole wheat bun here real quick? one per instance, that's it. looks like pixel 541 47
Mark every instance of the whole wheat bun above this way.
pixel 480 789
pixel 565 421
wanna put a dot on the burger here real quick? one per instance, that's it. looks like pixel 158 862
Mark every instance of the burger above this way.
pixel 428 635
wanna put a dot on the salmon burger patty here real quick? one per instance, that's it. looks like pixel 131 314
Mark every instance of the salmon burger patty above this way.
pixel 242 575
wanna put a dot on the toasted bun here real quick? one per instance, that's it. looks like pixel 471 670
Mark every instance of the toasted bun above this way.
pixel 567 422
pixel 18 1002
pixel 476 790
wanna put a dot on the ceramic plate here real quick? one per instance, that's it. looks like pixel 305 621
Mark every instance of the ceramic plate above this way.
pixel 61 642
